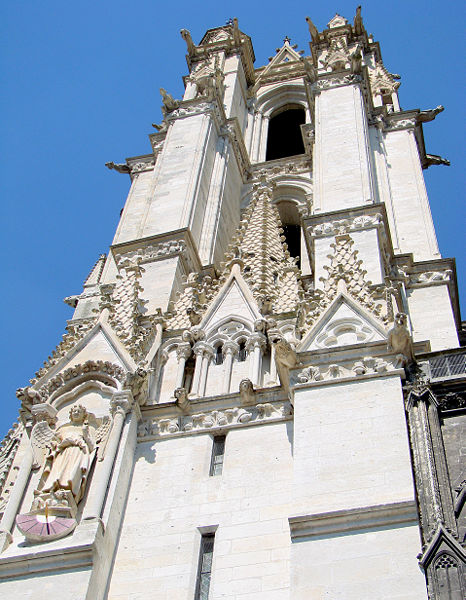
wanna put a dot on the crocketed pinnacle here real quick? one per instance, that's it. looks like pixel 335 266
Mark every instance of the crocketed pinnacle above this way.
pixel 259 248
pixel 259 245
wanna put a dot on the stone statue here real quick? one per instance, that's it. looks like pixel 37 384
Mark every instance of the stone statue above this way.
pixel 68 460
pixel 66 457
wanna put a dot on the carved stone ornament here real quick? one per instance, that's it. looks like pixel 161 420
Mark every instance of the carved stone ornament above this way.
pixel 329 81
pixel 346 369
pixel 106 371
pixel 429 277
pixel 68 453
pixel 216 419
pixel 342 226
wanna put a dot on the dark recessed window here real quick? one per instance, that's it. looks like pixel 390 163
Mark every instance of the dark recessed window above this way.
pixel 188 373
pixel 205 566
pixel 292 235
pixel 242 353
pixel 218 453
pixel 218 358
pixel 284 136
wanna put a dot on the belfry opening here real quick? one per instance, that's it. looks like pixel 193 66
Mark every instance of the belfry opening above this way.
pixel 284 135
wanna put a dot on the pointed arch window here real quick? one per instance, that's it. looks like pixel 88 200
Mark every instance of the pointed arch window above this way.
pixel 188 373
pixel 284 136
pixel 242 352
pixel 218 357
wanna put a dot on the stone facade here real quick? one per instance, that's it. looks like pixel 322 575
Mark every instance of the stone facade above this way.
pixel 265 365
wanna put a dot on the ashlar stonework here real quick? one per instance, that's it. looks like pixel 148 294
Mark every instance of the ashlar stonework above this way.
pixel 261 395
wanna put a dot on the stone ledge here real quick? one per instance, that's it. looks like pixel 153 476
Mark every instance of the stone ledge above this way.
pixel 73 552
pixel 342 521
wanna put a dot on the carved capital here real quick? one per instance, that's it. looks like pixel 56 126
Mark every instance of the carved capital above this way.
pixel 44 412
pixel 121 403
pixel 256 340
pixel 230 347
pixel 183 351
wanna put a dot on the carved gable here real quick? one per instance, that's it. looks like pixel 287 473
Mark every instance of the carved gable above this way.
pixel 233 300
pixel 343 323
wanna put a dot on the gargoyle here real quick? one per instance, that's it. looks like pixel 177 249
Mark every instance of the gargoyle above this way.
pixel 119 168
pixel 429 115
pixel 358 26
pixel 169 103
pixel 182 399
pixel 285 353
pixel 399 339
pixel 435 159
pixel 186 35
pixel 246 390
pixel 313 30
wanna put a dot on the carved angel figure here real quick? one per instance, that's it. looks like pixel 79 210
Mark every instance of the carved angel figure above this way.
pixel 68 455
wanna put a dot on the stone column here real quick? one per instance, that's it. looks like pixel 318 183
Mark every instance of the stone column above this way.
pixel 120 404
pixel 198 352
pixel 230 348
pixel 14 501
pixel 256 136
pixel 183 352
pixel 255 346
pixel 263 138
pixel 207 355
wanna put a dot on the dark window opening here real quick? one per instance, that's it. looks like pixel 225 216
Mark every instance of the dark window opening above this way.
pixel 205 566
pixel 188 374
pixel 242 354
pixel 218 452
pixel 284 135
pixel 218 358
pixel 292 235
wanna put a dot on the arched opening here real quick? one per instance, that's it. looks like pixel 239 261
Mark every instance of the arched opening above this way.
pixel 188 373
pixel 289 218
pixel 218 357
pixel 242 352
pixel 284 135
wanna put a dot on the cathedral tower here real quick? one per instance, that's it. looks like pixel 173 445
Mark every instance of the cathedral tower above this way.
pixel 261 390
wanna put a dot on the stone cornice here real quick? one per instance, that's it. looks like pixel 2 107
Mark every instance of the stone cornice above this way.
pixel 158 247
pixel 346 364
pixel 290 165
pixel 353 519
pixel 216 413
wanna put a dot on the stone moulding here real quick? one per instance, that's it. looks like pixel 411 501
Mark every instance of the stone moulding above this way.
pixel 158 247
pixel 219 419
pixel 353 519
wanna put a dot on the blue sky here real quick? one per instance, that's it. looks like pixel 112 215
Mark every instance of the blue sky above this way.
pixel 81 84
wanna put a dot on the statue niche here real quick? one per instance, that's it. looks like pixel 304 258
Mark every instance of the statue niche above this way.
pixel 67 455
